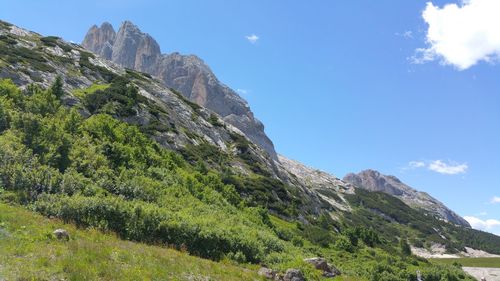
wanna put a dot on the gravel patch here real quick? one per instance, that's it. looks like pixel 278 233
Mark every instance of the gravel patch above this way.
pixel 491 274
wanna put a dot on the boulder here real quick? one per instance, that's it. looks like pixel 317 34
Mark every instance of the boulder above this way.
pixel 267 273
pixel 322 264
pixel 293 275
pixel 61 234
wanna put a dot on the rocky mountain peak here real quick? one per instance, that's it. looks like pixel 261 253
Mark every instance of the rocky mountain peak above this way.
pixel 101 39
pixel 188 74
pixel 374 181
pixel 107 27
pixel 134 49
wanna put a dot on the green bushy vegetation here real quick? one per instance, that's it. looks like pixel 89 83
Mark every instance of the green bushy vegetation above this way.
pixel 102 173
pixel 87 66
pixel 11 53
pixel 81 93
pixel 470 262
pixel 53 41
pixel 130 73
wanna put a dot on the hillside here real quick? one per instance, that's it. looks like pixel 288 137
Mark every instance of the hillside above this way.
pixel 92 255
pixel 374 181
pixel 103 147
pixel 131 48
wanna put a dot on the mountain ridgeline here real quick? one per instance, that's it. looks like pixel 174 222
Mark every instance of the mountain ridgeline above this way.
pixel 188 74
pixel 374 181
pixel 155 157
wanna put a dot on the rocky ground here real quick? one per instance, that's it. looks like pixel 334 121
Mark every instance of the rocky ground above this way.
pixel 438 251
pixel 491 274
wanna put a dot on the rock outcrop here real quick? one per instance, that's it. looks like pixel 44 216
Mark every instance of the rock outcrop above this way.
pixel 374 181
pixel 101 40
pixel 329 270
pixel 188 74
pixel 267 273
pixel 61 234
pixel 328 187
pixel 293 275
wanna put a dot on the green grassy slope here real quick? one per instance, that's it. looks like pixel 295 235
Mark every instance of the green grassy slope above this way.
pixel 471 262
pixel 28 251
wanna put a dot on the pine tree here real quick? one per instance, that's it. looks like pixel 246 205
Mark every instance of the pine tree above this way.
pixel 57 87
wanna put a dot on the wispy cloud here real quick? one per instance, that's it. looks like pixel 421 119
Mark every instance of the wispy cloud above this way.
pixel 407 34
pixel 485 225
pixel 439 166
pixel 252 38
pixel 461 34
pixel 242 91
pixel 495 200
pixel 416 164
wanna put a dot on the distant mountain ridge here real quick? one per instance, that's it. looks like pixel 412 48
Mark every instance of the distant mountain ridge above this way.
pixel 375 181
pixel 131 48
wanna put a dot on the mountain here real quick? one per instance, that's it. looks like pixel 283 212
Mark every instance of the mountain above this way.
pixel 375 181
pixel 131 48
pixel 89 143
pixel 168 117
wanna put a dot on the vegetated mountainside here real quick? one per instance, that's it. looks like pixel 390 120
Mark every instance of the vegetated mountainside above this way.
pixel 131 48
pixel 392 218
pixel 374 181
pixel 113 149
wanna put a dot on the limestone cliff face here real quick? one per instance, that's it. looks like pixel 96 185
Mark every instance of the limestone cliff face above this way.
pixel 134 49
pixel 374 181
pixel 188 74
pixel 101 40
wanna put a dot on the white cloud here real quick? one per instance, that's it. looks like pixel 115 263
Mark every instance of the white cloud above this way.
pixel 252 38
pixel 462 35
pixel 451 168
pixel 439 166
pixel 480 224
pixel 495 200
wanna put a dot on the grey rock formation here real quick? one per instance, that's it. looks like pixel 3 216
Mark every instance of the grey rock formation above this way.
pixel 293 275
pixel 101 40
pixel 267 273
pixel 374 181
pixel 188 74
pixel 326 186
pixel 61 234
pixel 329 270
pixel 134 49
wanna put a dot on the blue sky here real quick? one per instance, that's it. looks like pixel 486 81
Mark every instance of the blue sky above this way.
pixel 340 85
